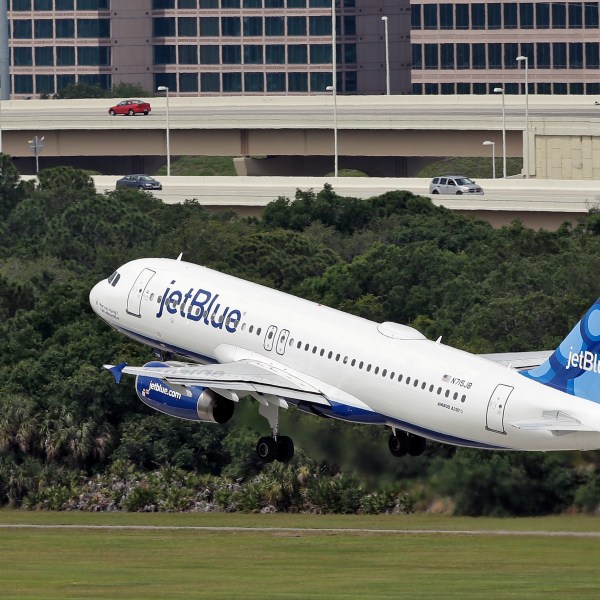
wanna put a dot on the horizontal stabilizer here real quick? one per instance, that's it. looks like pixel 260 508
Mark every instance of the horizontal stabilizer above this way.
pixel 553 421
pixel 521 361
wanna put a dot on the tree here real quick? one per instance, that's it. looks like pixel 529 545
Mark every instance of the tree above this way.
pixel 81 90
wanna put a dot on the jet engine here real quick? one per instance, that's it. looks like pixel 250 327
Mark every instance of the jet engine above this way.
pixel 192 403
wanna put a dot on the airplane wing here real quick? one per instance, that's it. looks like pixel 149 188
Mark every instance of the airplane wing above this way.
pixel 556 421
pixel 521 361
pixel 240 377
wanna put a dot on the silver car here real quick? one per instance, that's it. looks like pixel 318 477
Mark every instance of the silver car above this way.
pixel 454 184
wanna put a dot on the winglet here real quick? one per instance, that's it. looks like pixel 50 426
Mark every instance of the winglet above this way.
pixel 116 370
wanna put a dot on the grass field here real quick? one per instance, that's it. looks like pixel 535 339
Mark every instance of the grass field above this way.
pixel 283 563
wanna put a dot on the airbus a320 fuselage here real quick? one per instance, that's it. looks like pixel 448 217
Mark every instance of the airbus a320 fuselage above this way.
pixel 239 339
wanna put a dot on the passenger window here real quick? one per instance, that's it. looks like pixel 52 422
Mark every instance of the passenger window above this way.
pixel 451 182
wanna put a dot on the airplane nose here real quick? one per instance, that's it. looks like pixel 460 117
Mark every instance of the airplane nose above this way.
pixel 95 296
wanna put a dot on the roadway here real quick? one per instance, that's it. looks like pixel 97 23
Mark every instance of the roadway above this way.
pixel 538 203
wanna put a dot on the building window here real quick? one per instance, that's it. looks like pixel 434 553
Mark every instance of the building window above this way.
pixel 446 16
pixel 592 55
pixel 44 84
pixel 23 84
pixel 321 54
pixel 349 25
pixel 576 55
pixel 526 15
pixel 478 56
pixel 297 54
pixel 296 26
pixel 430 16
pixel 230 27
pixel 447 89
pixel 232 55
pixel 252 3
pixel 21 5
pixel 44 56
pixel 65 56
pixel 495 56
pixel 319 25
pixel 319 81
pixel 559 55
pixel 21 29
pixel 415 16
pixel 560 88
pixel 209 26
pixel 417 56
pixel 274 4
pixel 230 3
pixel 165 55
pixel 253 54
pixel 463 58
pixel 167 79
pixel 591 16
pixel 254 82
pixel 62 81
pixel 349 54
pixel 576 88
pixel 592 89
pixel 210 82
pixel 511 51
pixel 510 16
pixel 431 56
pixel 462 16
pixel 42 5
pixel 575 15
pixel 209 3
pixel 431 89
pixel 65 28
pixel 188 82
pixel 187 3
pixel 22 56
pixel 559 16
pixel 542 15
pixel 275 82
pixel 93 28
pixel 209 55
pixel 163 26
pixel 494 15
pixel 93 56
pixel 478 16
pixel 64 5
pixel 91 4
pixel 188 55
pixel 542 55
pixel 275 54
pixel 274 26
pixel 447 56
pixel 296 3
pixel 253 26
pixel 42 29
pixel 187 26
pixel 297 82
pixel 232 82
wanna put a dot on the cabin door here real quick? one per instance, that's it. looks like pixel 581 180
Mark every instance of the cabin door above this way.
pixel 496 407
pixel 137 291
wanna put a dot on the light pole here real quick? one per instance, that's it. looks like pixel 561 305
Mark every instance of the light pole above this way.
pixel 331 88
pixel 526 157
pixel 387 56
pixel 501 91
pixel 164 88
pixel 493 145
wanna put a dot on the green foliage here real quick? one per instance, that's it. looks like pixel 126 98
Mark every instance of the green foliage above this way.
pixel 208 166
pixel 81 90
pixel 475 167
pixel 70 438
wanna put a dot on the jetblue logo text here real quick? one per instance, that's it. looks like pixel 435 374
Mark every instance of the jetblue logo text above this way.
pixel 199 305
pixel 587 361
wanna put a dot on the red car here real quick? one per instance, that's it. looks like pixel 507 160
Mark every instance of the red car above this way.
pixel 130 107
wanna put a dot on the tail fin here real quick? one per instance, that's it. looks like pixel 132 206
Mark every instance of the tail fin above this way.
pixel 574 367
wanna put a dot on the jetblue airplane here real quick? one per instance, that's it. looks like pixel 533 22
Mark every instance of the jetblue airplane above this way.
pixel 242 339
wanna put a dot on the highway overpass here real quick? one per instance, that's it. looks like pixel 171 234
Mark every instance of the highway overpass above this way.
pixel 537 203
pixel 381 135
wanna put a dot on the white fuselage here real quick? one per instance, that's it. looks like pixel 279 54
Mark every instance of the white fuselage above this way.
pixel 414 384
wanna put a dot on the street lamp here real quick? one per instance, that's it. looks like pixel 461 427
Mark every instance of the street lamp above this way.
pixel 493 145
pixel 501 91
pixel 164 88
pixel 387 56
pixel 526 161
pixel 331 88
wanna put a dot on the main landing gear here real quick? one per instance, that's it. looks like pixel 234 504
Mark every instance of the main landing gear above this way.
pixel 275 446
pixel 402 443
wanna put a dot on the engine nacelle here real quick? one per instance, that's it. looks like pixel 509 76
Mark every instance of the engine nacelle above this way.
pixel 191 403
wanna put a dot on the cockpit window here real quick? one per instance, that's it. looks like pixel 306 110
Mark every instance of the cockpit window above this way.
pixel 114 278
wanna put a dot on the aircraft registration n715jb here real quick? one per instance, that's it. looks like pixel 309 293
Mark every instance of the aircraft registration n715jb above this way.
pixel 243 339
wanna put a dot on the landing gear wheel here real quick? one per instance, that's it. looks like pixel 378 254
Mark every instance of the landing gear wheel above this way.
pixel 416 445
pixel 398 443
pixel 285 449
pixel 266 448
